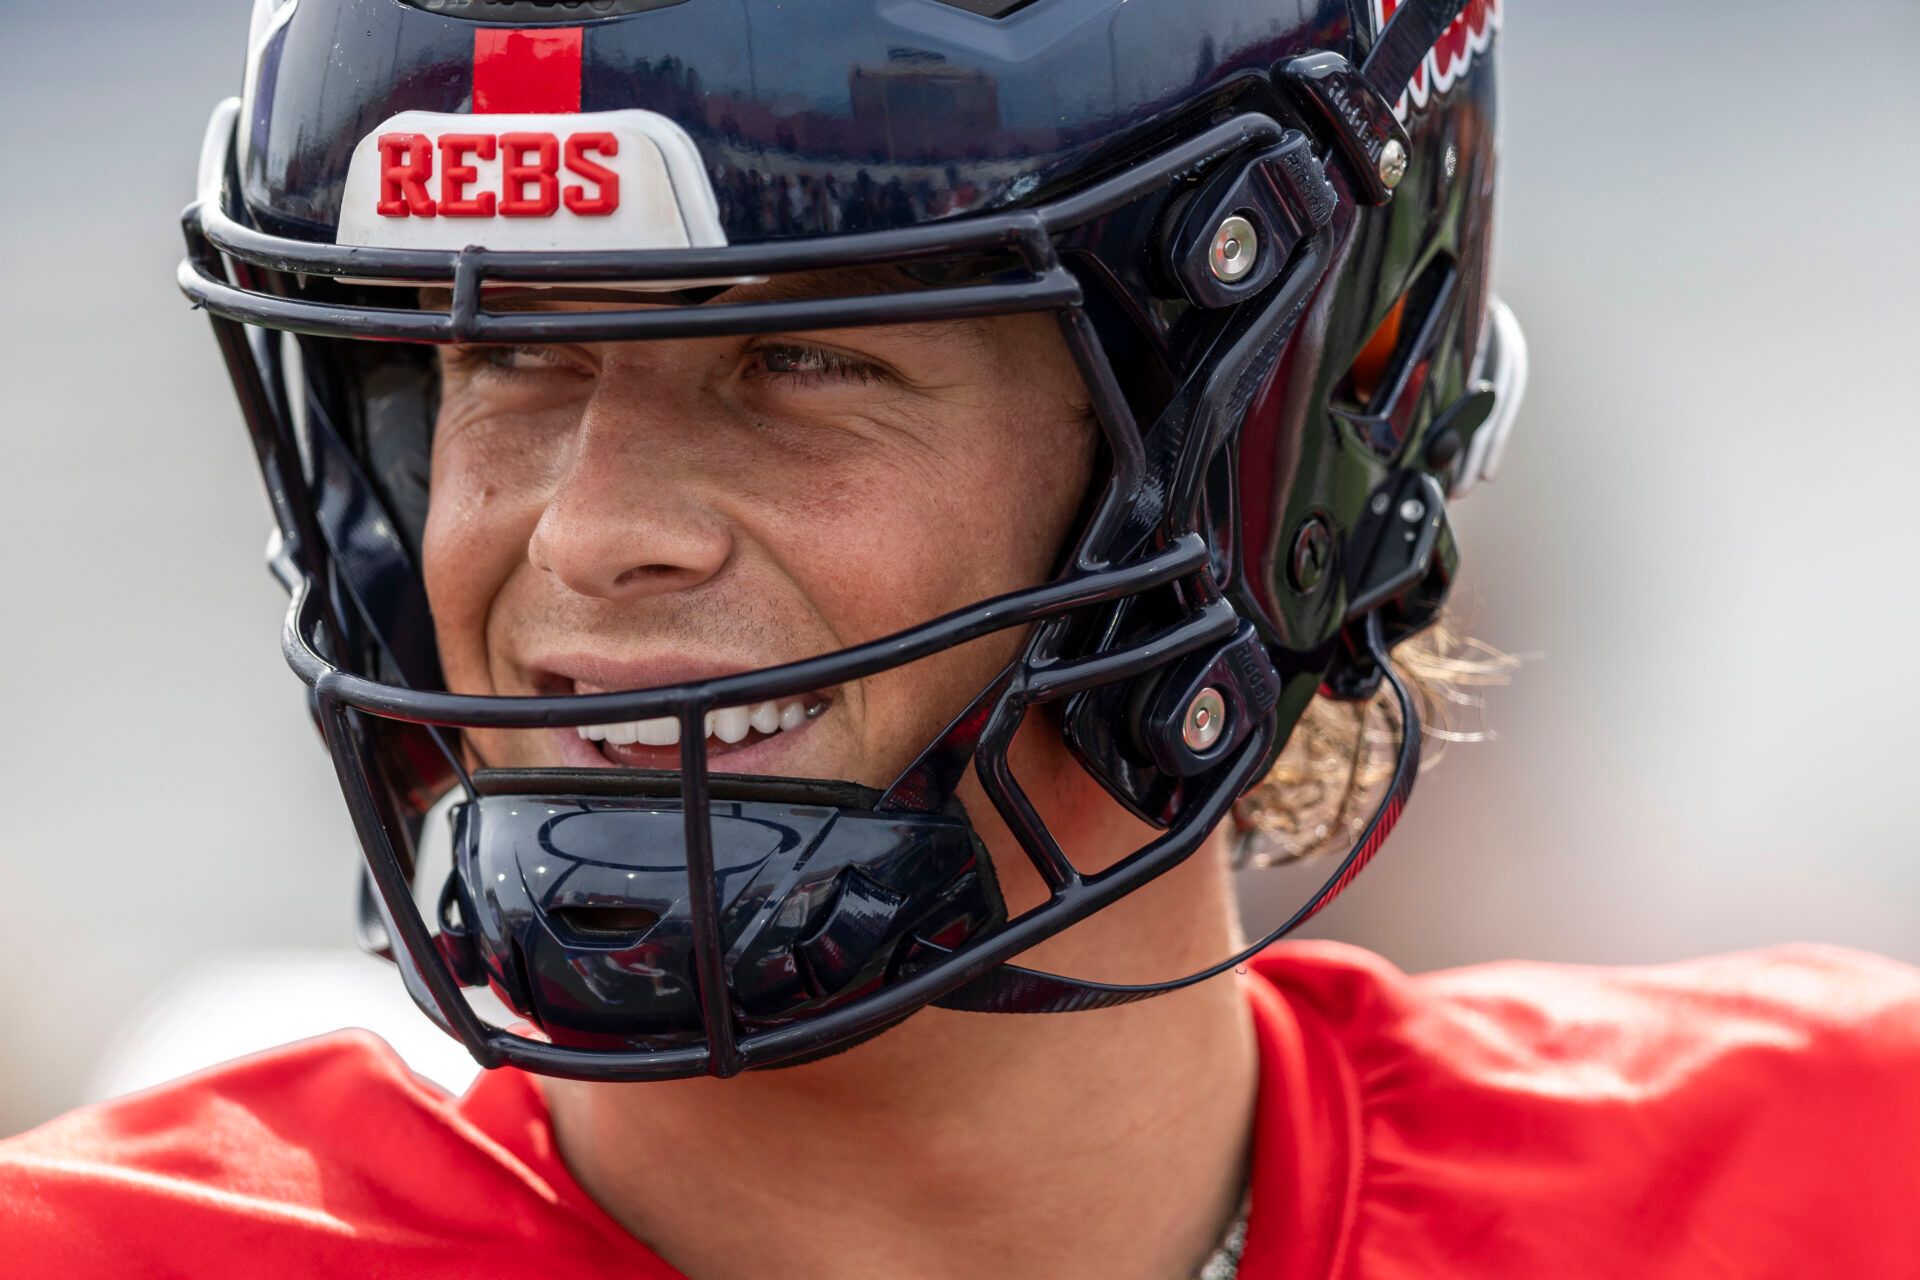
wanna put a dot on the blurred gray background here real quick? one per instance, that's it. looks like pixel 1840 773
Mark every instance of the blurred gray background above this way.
pixel 1711 233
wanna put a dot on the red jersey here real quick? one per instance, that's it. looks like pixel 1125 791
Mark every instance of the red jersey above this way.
pixel 1746 1116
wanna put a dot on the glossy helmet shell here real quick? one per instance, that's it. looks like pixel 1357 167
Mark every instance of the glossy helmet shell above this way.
pixel 1296 422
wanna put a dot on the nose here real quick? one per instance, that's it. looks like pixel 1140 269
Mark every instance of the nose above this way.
pixel 629 517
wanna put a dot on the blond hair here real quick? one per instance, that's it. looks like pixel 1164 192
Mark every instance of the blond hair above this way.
pixel 1327 781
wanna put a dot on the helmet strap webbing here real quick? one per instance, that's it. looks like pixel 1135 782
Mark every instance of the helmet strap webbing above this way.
pixel 1416 26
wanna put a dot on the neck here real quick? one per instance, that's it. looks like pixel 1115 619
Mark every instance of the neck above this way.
pixel 960 1144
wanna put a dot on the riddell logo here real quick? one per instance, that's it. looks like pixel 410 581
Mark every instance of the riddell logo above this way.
pixel 1450 58
pixel 528 175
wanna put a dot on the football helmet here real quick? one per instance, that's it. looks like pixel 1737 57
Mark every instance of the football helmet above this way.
pixel 1264 232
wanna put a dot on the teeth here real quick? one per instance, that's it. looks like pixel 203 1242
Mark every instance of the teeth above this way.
pixel 663 732
pixel 729 724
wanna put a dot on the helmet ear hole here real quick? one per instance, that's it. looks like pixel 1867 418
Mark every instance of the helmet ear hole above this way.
pixel 1430 295
pixel 1374 365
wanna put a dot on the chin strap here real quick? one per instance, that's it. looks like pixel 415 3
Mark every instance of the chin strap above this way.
pixel 1410 34
pixel 1011 989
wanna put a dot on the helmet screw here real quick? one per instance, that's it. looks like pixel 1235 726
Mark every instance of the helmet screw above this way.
pixel 1312 553
pixel 1236 246
pixel 1393 163
pixel 1206 718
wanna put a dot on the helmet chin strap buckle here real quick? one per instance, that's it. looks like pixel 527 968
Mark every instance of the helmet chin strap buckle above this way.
pixel 1369 137
pixel 1404 574
pixel 1205 708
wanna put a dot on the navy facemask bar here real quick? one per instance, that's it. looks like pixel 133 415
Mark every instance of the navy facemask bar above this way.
pixel 974 974
pixel 344 699
pixel 1013 989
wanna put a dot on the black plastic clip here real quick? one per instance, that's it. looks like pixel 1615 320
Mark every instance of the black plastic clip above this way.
pixel 1284 196
pixel 1363 122
pixel 1208 705
pixel 1404 574
pixel 453 941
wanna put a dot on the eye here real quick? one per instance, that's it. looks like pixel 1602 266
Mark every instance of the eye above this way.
pixel 509 361
pixel 793 361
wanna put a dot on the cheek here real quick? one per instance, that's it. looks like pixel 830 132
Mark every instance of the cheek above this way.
pixel 890 543
pixel 893 547
pixel 895 534
pixel 480 516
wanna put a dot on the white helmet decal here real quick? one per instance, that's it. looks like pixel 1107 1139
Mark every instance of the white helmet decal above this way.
pixel 601 180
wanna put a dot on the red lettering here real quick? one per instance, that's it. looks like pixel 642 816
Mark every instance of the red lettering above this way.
pixel 456 173
pixel 406 162
pixel 607 198
pixel 530 165
pixel 517 172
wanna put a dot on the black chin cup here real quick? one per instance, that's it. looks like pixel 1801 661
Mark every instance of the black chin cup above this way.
pixel 571 901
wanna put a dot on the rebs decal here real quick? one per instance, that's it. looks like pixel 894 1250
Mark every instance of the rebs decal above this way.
pixel 529 181
pixel 1450 58
pixel 529 175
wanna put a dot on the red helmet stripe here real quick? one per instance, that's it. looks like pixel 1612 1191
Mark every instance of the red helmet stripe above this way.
pixel 531 71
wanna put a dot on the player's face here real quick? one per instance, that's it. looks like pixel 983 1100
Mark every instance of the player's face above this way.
pixel 613 516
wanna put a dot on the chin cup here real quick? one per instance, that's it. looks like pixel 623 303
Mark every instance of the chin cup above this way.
pixel 570 901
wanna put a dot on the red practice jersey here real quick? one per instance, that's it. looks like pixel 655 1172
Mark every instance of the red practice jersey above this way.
pixel 1747 1116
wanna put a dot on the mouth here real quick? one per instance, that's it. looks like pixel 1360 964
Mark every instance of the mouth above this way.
pixel 758 737
pixel 648 743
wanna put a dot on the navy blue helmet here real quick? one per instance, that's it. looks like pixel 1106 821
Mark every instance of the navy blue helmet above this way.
pixel 1263 228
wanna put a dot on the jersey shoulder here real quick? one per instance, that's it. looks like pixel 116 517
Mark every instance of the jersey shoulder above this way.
pixel 325 1157
pixel 1756 1112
